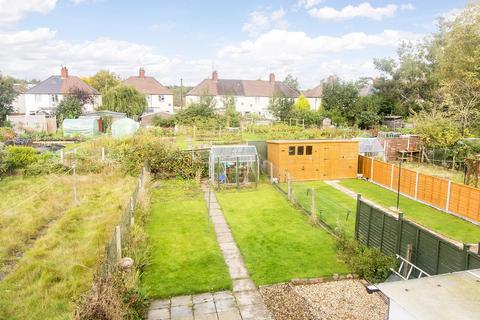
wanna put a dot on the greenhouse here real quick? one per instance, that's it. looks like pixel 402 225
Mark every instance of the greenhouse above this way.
pixel 233 166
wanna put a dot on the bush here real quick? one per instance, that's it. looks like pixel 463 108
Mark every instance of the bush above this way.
pixel 6 134
pixel 17 157
pixel 368 263
pixel 45 164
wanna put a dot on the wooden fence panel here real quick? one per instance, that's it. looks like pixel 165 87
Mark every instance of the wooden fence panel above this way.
pixel 462 200
pixel 432 190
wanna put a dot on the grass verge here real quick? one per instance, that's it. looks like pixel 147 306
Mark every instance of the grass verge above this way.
pixel 436 220
pixel 60 265
pixel 277 241
pixel 185 256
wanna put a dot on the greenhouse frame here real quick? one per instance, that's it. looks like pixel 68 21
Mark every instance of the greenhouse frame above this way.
pixel 234 165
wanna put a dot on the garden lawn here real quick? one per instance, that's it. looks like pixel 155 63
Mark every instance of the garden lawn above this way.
pixel 333 207
pixel 185 256
pixel 276 240
pixel 436 220
pixel 60 265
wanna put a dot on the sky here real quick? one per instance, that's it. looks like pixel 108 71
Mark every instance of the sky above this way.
pixel 310 39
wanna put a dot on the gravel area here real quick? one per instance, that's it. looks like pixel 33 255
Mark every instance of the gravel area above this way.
pixel 339 300
pixel 284 304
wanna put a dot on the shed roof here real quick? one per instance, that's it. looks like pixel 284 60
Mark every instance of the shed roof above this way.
pixel 244 153
pixel 446 296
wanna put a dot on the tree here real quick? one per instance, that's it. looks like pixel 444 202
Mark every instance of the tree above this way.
pixel 459 67
pixel 232 117
pixel 436 130
pixel 82 96
pixel 69 108
pixel 338 101
pixel 125 99
pixel 302 103
pixel 103 81
pixel 281 107
pixel 367 109
pixel 292 82
pixel 7 96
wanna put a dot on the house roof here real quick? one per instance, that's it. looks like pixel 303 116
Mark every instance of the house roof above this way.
pixel 315 92
pixel 147 85
pixel 247 88
pixel 61 85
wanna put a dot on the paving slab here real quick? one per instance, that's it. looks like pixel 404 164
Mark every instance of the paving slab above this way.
pixel 181 312
pixel 222 295
pixel 159 304
pixel 207 316
pixel 226 305
pixel 204 308
pixel 159 314
pixel 203 297
pixel 243 285
pixel 229 315
pixel 254 312
pixel 245 298
pixel 181 301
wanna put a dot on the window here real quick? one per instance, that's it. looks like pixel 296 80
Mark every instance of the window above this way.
pixel 54 98
pixel 300 150
pixel 291 151
pixel 161 98
pixel 308 151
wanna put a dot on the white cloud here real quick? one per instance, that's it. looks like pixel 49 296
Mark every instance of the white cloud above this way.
pixel 363 10
pixel 39 53
pixel 407 7
pixel 261 21
pixel 307 4
pixel 12 11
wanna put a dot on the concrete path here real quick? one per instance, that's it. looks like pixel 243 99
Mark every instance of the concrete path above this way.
pixel 243 303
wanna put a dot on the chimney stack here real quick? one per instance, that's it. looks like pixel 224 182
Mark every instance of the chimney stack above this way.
pixel 272 78
pixel 214 75
pixel 141 73
pixel 64 72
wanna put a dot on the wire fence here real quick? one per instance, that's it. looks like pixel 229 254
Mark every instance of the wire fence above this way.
pixel 115 247
pixel 325 206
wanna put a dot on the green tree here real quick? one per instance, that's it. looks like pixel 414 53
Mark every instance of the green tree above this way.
pixel 338 101
pixel 125 99
pixel 302 103
pixel 7 96
pixel 368 109
pixel 69 108
pixel 232 117
pixel 103 81
pixel 292 82
pixel 281 107
pixel 436 130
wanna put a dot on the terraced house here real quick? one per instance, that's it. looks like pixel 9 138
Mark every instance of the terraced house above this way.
pixel 159 98
pixel 45 96
pixel 250 96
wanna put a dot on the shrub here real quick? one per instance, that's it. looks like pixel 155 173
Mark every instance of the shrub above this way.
pixel 368 263
pixel 45 164
pixel 17 157
pixel 6 134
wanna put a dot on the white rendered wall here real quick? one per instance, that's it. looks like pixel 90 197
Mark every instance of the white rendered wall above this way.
pixel 157 105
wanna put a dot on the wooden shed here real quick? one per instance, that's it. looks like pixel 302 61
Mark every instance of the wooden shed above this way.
pixel 313 159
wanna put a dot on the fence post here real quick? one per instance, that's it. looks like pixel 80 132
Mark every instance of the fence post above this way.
pixel 103 153
pixel 132 219
pixel 118 242
pixel 357 215
pixel 391 176
pixel 313 213
pixel 271 172
pixel 447 205
pixel 399 231
pixel 74 185
pixel 289 187
pixel 371 170
pixel 61 156
pixel 466 247
pixel 416 185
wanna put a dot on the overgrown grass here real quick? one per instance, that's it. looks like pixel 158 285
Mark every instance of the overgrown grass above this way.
pixel 333 207
pixel 185 256
pixel 434 170
pixel 60 265
pixel 436 220
pixel 29 204
pixel 277 241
